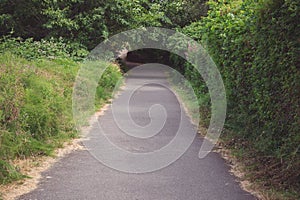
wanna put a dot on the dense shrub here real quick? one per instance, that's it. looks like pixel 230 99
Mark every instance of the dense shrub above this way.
pixel 256 48
pixel 51 48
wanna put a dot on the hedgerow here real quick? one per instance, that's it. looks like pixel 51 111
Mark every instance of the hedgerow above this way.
pixel 256 48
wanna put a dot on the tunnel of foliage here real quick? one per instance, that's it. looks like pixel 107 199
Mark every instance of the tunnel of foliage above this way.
pixel 254 43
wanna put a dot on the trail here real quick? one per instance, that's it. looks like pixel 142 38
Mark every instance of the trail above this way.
pixel 80 175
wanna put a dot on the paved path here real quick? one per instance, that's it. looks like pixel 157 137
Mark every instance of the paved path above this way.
pixel 80 176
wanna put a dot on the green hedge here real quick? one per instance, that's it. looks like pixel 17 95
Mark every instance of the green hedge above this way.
pixel 256 48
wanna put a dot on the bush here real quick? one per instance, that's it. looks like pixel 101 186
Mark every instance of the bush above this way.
pixel 45 48
pixel 256 47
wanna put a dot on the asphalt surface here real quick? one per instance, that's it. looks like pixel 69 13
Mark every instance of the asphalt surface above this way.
pixel 80 175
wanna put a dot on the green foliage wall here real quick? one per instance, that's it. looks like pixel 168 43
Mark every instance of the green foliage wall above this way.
pixel 255 44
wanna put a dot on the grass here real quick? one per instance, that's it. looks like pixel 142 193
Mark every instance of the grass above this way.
pixel 36 107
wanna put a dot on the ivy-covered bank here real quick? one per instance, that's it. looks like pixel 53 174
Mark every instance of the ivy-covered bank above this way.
pixel 255 45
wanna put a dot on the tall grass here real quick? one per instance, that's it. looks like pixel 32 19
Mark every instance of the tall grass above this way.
pixel 36 105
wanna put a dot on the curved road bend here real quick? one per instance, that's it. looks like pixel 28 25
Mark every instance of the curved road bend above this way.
pixel 80 176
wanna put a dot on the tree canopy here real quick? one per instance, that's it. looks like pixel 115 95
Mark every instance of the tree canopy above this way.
pixel 90 22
